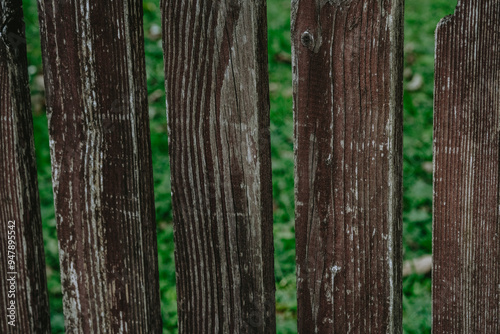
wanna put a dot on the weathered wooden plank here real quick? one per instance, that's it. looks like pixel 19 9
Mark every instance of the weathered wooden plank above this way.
pixel 23 284
pixel 218 120
pixel 347 69
pixel 466 231
pixel 94 67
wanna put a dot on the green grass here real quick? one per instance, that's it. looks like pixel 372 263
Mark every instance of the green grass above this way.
pixel 421 17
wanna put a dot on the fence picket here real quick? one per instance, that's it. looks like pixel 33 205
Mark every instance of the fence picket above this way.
pixel 218 119
pixel 347 68
pixel 94 68
pixel 466 230
pixel 23 281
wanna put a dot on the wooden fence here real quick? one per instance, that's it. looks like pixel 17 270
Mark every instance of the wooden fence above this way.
pixel 466 238
pixel 347 70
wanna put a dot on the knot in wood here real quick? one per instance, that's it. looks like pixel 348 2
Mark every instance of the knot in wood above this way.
pixel 307 40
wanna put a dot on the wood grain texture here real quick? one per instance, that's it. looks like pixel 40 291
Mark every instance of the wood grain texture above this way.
pixel 94 68
pixel 19 200
pixel 466 231
pixel 347 76
pixel 218 120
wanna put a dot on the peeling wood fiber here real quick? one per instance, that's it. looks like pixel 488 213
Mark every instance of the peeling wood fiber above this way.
pixel 19 200
pixel 466 230
pixel 94 68
pixel 347 77
pixel 218 122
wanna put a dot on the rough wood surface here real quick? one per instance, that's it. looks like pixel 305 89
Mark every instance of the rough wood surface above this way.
pixel 347 68
pixel 94 68
pixel 466 231
pixel 218 119
pixel 19 200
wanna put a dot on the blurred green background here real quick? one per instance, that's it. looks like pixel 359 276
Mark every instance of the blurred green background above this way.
pixel 421 17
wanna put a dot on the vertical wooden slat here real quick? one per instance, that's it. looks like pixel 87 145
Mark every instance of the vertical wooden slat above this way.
pixel 94 67
pixel 22 281
pixel 466 231
pixel 218 120
pixel 347 76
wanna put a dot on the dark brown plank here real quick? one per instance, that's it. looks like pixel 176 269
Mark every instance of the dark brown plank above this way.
pixel 23 280
pixel 94 67
pixel 347 67
pixel 466 232
pixel 218 114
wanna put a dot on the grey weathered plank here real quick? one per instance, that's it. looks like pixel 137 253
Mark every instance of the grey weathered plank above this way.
pixel 94 68
pixel 19 202
pixel 347 76
pixel 218 114
pixel 466 230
